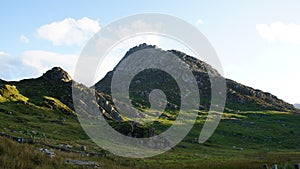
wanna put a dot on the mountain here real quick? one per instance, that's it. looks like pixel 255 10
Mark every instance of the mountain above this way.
pixel 54 83
pixel 53 90
pixel 57 74
pixel 256 127
pixel 239 96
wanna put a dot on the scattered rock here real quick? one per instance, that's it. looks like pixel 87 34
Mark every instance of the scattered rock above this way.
pixel 238 148
pixel 48 152
pixel 83 148
pixel 83 163
pixel 65 146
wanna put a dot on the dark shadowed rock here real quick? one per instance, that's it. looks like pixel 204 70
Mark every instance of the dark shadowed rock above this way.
pixel 57 74
pixel 2 81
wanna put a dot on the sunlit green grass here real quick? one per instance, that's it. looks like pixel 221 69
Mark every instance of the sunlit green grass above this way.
pixel 242 140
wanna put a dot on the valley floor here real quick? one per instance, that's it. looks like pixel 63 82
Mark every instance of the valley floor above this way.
pixel 23 156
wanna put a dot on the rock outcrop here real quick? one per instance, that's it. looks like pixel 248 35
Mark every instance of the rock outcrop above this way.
pixel 57 74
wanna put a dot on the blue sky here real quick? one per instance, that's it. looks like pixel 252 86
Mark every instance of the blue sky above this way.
pixel 258 42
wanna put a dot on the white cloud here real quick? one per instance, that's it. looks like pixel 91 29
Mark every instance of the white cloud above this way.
pixel 24 39
pixel 69 31
pixel 34 63
pixel 278 31
pixel 9 69
pixel 3 54
pixel 199 22
pixel 42 61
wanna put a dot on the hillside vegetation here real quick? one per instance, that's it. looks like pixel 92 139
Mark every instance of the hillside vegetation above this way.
pixel 38 114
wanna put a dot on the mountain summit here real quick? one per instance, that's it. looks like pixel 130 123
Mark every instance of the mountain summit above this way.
pixel 239 96
pixel 57 74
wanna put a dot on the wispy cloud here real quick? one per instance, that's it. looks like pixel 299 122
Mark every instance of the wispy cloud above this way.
pixel 24 39
pixel 69 31
pixel 3 53
pixel 279 31
pixel 9 69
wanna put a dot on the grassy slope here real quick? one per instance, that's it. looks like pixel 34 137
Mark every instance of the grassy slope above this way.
pixel 265 136
pixel 10 93
pixel 14 155
pixel 36 89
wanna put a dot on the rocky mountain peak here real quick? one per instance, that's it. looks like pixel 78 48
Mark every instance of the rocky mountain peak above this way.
pixel 57 74
pixel 139 47
pixel 195 64
pixel 239 96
